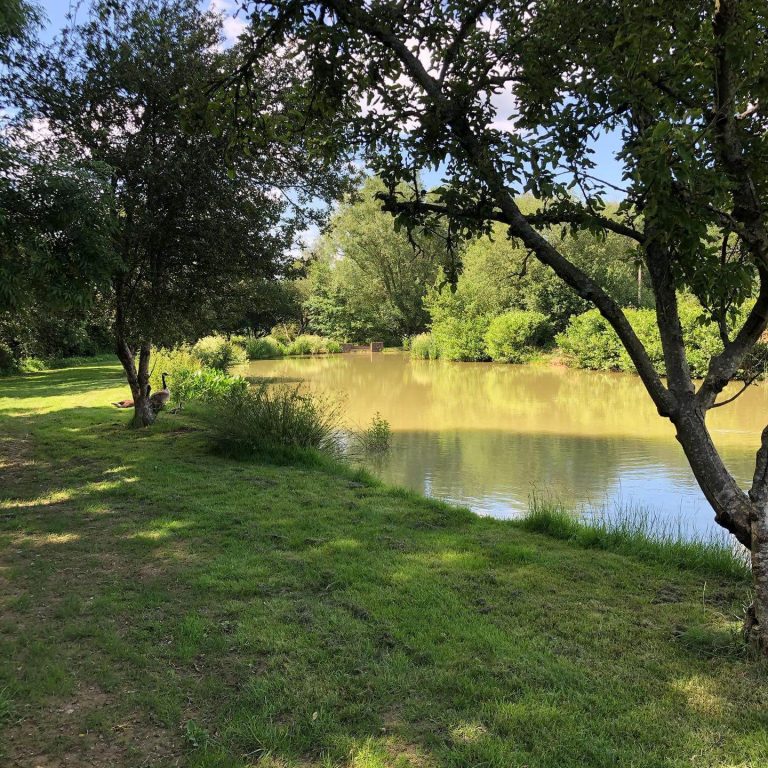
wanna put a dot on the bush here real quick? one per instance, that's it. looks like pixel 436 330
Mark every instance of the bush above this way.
pixel 424 347
pixel 514 336
pixel 205 385
pixel 309 344
pixel 590 341
pixel 188 379
pixel 8 362
pixel 267 417
pixel 285 333
pixel 644 323
pixel 219 352
pixel 173 362
pixel 263 348
pixel 461 338
pixel 702 340
pixel 459 325
pixel 33 365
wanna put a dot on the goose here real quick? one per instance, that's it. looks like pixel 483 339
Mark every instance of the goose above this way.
pixel 160 399
pixel 157 401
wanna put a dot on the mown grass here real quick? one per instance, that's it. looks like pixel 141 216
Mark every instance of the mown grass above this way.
pixel 161 605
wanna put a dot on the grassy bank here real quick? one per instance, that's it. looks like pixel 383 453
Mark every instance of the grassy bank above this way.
pixel 163 606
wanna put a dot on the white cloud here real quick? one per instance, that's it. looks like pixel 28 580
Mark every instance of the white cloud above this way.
pixel 505 106
pixel 233 19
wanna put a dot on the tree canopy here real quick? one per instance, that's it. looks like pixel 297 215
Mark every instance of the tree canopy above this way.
pixel 368 281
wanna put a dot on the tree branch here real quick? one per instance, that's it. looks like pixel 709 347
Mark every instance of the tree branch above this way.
pixel 461 35
pixel 543 218
pixel 723 367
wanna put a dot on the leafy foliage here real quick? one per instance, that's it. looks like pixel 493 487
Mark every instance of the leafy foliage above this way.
pixel 424 347
pixel 309 344
pixel 174 362
pixel 263 348
pixel 8 361
pixel 204 385
pixel 590 342
pixel 515 336
pixel 56 230
pixel 374 439
pixel 219 352
pixel 371 280
pixel 189 380
pixel 502 275
pixel 189 229
pixel 459 324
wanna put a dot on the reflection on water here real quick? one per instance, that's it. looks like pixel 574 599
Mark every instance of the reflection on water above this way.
pixel 489 435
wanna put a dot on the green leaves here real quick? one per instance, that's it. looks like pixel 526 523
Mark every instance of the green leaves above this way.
pixel 56 232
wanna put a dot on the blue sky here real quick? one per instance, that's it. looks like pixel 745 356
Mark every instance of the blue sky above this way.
pixel 56 11
pixel 605 149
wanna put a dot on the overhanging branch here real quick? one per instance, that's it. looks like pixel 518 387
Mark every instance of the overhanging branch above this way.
pixel 544 218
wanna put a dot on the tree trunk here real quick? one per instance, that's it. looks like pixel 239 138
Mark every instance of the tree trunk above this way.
pixel 756 621
pixel 744 515
pixel 733 507
pixel 138 380
pixel 143 413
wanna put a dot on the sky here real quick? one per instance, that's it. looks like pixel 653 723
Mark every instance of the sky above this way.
pixel 608 168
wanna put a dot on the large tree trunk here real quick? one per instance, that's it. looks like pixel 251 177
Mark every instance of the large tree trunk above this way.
pixel 744 515
pixel 756 622
pixel 143 413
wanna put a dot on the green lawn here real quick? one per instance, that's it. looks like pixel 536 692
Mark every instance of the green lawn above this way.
pixel 163 606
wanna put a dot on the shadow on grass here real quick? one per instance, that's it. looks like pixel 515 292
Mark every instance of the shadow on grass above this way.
pixel 64 381
pixel 174 604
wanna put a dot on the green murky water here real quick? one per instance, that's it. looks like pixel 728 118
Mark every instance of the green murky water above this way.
pixel 488 435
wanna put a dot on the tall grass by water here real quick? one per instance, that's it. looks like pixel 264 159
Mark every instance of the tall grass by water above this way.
pixel 638 531
pixel 268 418
pixel 423 347
pixel 373 440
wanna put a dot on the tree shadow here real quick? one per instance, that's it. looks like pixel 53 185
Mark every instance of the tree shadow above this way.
pixel 63 381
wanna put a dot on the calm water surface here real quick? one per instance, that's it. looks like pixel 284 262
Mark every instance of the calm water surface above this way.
pixel 488 435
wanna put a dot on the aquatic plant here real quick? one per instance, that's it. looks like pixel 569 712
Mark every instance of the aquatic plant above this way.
pixel 263 348
pixel 424 347
pixel 219 352
pixel 376 438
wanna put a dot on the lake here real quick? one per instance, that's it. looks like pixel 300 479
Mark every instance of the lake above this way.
pixel 489 435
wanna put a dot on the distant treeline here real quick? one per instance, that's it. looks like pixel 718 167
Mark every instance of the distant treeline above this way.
pixel 365 280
